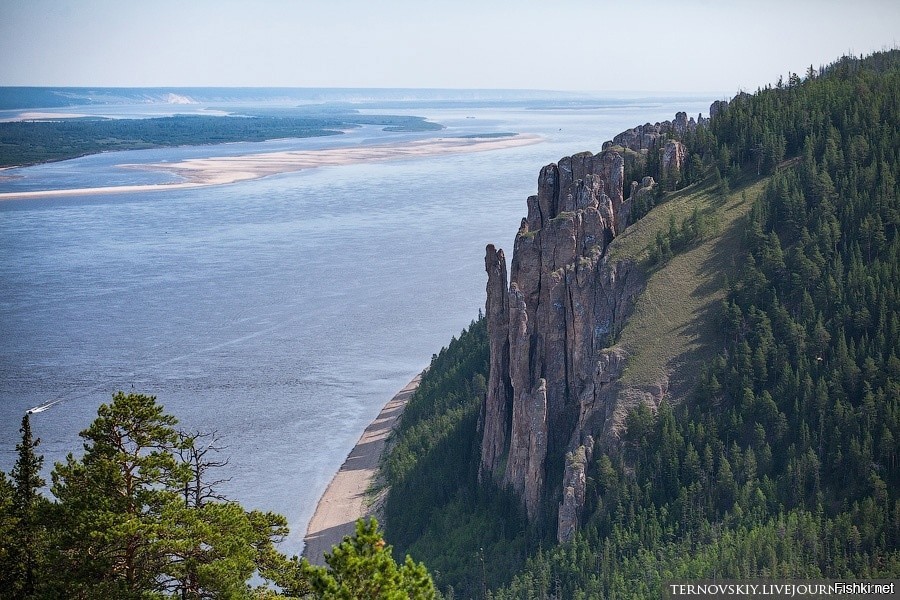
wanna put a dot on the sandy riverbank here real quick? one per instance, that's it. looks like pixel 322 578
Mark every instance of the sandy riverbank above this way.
pixel 220 170
pixel 346 499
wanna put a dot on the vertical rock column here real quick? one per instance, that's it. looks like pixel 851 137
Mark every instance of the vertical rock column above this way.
pixel 542 331
pixel 499 393
pixel 553 379
pixel 574 490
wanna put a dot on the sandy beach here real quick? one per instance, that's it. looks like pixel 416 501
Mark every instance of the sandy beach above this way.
pixel 346 499
pixel 35 115
pixel 221 170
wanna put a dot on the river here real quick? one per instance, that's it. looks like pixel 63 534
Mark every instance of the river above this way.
pixel 280 313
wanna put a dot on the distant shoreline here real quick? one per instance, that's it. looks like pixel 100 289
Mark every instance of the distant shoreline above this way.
pixel 36 137
pixel 345 499
pixel 222 170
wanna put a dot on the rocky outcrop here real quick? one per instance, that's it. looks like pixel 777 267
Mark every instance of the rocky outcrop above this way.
pixel 645 138
pixel 639 190
pixel 682 125
pixel 497 408
pixel 574 490
pixel 553 389
pixel 549 328
pixel 716 107
pixel 671 161
pixel 662 138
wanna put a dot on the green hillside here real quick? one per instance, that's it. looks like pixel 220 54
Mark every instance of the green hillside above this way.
pixel 673 328
pixel 772 304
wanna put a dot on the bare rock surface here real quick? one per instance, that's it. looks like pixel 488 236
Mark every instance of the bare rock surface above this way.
pixel 554 386
pixel 549 325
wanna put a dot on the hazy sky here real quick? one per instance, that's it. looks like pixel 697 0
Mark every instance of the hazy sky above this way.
pixel 589 45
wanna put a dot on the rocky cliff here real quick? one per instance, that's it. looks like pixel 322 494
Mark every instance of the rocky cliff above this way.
pixel 551 322
pixel 552 325
pixel 646 137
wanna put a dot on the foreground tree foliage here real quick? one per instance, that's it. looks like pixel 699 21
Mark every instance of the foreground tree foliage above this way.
pixel 23 533
pixel 362 568
pixel 126 527
pixel 138 516
pixel 115 499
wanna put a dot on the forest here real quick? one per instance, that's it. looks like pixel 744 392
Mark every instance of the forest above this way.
pixel 31 142
pixel 140 516
pixel 783 462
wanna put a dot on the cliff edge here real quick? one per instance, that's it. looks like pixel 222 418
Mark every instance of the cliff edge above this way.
pixel 552 325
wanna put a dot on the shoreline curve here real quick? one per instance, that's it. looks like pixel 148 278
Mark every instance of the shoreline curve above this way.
pixel 222 170
pixel 345 498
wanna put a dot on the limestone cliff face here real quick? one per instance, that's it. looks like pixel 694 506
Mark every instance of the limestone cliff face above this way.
pixel 549 327
pixel 553 387
pixel 646 137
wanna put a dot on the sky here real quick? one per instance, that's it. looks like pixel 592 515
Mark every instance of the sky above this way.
pixel 694 46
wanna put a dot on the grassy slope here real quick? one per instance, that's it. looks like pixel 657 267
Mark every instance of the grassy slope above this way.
pixel 673 329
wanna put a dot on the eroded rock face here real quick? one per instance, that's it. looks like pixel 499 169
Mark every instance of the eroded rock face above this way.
pixel 499 395
pixel 681 124
pixel 639 190
pixel 574 490
pixel 672 159
pixel 554 382
pixel 548 330
pixel 645 138
pixel 717 107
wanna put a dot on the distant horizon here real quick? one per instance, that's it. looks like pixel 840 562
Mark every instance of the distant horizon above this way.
pixel 82 99
pixel 582 93
pixel 573 46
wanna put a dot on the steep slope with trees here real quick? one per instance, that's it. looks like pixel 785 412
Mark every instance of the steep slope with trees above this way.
pixel 779 457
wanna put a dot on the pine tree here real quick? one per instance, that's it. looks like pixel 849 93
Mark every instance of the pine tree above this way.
pixel 361 567
pixel 28 537
pixel 113 500
pixel 139 516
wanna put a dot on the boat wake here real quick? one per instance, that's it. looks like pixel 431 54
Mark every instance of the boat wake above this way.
pixel 42 407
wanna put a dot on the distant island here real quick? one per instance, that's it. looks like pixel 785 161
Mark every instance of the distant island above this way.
pixel 47 139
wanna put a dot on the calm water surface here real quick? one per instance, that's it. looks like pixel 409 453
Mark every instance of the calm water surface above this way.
pixel 281 313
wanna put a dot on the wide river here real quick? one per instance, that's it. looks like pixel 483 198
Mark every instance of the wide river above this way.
pixel 282 312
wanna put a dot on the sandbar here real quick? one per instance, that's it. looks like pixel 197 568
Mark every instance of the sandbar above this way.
pixel 44 116
pixel 221 170
pixel 347 497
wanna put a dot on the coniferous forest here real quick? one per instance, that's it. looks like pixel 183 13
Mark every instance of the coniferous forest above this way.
pixel 781 462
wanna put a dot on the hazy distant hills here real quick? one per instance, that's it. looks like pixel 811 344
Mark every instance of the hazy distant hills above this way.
pixel 15 98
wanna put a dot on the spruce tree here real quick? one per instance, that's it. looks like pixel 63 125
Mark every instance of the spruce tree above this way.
pixel 9 579
pixel 28 536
